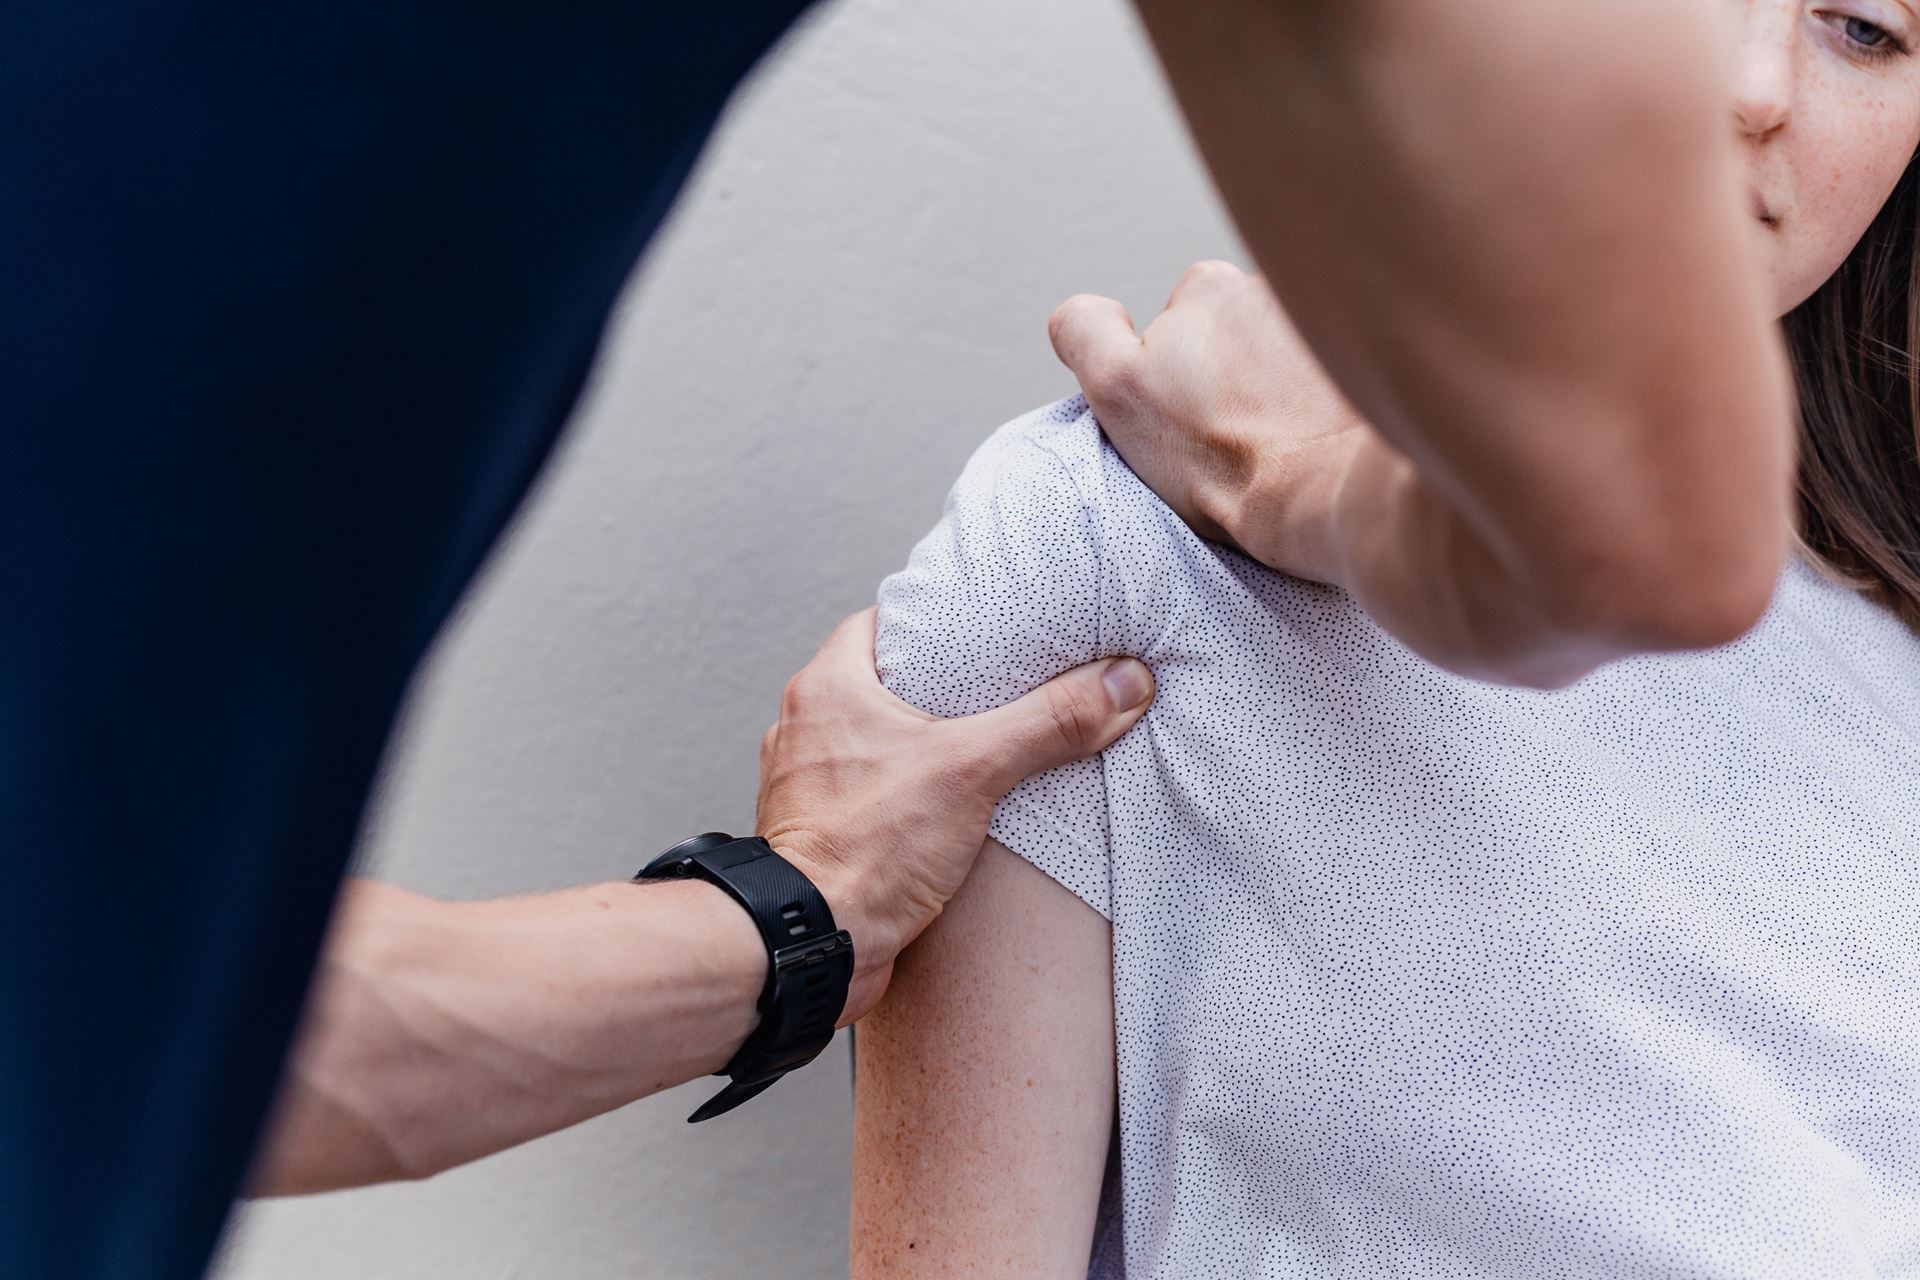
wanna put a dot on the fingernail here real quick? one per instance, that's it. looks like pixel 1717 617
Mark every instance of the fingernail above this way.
pixel 1128 683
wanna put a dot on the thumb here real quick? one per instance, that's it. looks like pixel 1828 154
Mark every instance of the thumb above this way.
pixel 1094 337
pixel 1073 715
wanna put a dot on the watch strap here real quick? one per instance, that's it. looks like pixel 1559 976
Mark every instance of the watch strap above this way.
pixel 810 959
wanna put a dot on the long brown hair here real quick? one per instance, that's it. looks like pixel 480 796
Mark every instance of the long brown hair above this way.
pixel 1858 380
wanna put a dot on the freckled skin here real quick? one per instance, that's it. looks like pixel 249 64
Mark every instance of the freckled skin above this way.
pixel 1826 127
pixel 984 1095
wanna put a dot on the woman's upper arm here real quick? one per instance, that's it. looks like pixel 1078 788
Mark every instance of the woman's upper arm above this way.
pixel 984 1091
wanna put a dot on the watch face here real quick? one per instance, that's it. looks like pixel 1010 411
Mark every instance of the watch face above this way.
pixel 684 850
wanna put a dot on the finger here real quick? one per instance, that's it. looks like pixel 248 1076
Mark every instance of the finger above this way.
pixel 845 667
pixel 853 637
pixel 1094 337
pixel 1072 716
pixel 846 656
pixel 1208 276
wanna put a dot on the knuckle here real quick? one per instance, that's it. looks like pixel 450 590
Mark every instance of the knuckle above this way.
pixel 1209 275
pixel 797 698
pixel 1193 275
pixel 1075 719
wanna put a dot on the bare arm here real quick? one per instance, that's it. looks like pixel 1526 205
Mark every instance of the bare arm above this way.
pixel 444 1031
pixel 984 1090
pixel 1515 236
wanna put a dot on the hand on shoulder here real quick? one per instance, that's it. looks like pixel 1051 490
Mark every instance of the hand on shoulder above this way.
pixel 885 807
pixel 1223 411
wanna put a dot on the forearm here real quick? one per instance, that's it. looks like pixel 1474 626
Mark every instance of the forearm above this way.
pixel 444 1031
pixel 1514 237
pixel 1430 578
pixel 441 1032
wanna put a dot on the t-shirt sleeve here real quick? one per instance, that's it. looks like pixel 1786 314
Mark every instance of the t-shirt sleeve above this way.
pixel 1000 597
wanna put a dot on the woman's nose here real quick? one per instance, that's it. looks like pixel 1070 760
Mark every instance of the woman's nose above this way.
pixel 1763 69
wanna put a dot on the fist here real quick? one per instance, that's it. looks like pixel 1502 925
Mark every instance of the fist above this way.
pixel 1223 411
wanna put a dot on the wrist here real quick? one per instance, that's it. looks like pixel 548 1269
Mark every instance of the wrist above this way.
pixel 1293 509
pixel 1364 506
pixel 871 915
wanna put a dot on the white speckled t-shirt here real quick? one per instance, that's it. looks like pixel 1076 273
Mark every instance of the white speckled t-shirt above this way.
pixel 1417 976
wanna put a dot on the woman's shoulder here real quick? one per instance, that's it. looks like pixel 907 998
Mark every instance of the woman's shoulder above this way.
pixel 1058 454
pixel 1003 592
pixel 1052 455
pixel 1051 552
pixel 1827 628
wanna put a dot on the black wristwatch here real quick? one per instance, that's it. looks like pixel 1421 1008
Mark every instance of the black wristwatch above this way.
pixel 810 962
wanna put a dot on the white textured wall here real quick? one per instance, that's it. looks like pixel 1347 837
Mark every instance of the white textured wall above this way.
pixel 850 295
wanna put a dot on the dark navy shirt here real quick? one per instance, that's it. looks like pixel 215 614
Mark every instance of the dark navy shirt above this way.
pixel 293 301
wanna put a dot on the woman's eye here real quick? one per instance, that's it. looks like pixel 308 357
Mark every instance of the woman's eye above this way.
pixel 1866 39
pixel 1865 34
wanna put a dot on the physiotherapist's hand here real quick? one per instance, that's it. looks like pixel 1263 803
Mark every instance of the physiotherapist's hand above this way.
pixel 1223 411
pixel 885 807
pixel 443 1031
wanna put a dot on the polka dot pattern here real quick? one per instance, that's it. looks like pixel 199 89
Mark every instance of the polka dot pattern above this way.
pixel 1417 976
